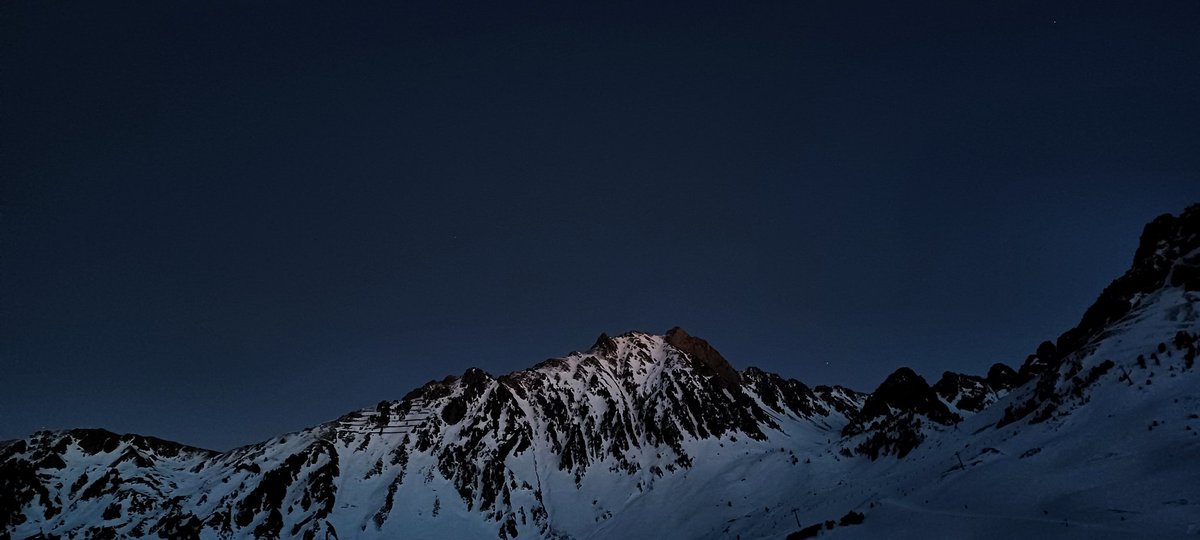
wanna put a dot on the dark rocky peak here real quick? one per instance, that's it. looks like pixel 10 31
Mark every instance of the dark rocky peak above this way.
pixel 951 384
pixel 706 358
pixel 474 378
pixel 432 389
pixel 894 416
pixel 1168 241
pixel 903 393
pixel 1168 255
pixel 1045 358
pixel 474 383
pixel 1001 377
pixel 605 345
pixel 972 393
pixel 965 392
pixel 753 373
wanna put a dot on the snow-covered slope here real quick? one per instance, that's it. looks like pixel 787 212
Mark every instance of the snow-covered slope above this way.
pixel 556 450
pixel 649 435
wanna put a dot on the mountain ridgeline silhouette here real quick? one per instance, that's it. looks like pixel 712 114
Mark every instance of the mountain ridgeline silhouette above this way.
pixel 659 434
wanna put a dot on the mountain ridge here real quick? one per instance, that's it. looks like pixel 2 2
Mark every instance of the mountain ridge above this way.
pixel 590 443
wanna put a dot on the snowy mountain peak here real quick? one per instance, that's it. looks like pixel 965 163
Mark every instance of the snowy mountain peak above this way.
pixel 647 435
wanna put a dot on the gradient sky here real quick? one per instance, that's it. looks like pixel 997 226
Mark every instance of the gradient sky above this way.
pixel 221 222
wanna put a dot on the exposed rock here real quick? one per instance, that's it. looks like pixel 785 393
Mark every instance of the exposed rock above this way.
pixel 894 415
pixel 605 345
pixel 1001 377
pixel 1168 254
pixel 968 393
pixel 704 354
pixel 903 392
pixel 851 518
pixel 810 531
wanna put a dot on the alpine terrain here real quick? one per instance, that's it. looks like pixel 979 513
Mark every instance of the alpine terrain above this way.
pixel 1094 435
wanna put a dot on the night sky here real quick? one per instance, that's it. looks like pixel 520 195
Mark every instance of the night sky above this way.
pixel 219 223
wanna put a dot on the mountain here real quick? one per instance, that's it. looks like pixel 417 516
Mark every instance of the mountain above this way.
pixel 645 435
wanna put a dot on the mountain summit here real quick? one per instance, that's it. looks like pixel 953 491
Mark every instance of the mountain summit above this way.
pixel 647 435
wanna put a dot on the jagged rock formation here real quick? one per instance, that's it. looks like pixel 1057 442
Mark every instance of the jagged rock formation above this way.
pixel 971 393
pixel 1168 255
pixel 1167 258
pixel 705 357
pixel 894 414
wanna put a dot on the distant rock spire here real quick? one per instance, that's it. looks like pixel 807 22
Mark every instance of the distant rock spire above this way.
pixel 605 344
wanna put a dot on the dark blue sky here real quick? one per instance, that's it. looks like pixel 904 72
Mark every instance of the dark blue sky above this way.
pixel 223 222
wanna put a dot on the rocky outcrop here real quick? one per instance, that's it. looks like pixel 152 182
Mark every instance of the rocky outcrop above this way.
pixel 1168 256
pixel 894 416
pixel 1001 377
pixel 706 357
pixel 971 393
pixel 902 393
